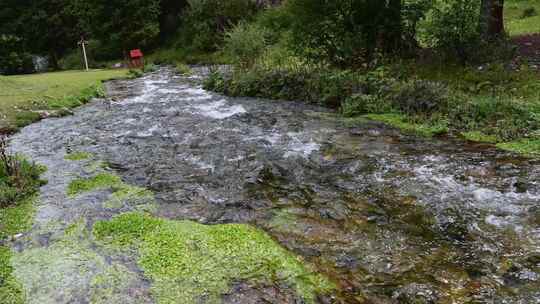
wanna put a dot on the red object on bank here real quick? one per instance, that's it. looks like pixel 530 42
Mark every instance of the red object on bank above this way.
pixel 135 54
pixel 136 59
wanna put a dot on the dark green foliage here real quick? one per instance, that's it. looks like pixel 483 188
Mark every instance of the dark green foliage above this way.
pixel 529 12
pixel 18 178
pixel 205 22
pixel 454 27
pixel 419 97
pixel 359 104
pixel 503 118
pixel 25 118
pixel 124 25
pixel 455 30
pixel 13 60
pixel 351 32
pixel 245 43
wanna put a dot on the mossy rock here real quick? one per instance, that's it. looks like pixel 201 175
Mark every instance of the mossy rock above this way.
pixel 190 262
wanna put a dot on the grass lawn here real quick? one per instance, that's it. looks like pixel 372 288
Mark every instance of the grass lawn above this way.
pixel 22 94
pixel 516 24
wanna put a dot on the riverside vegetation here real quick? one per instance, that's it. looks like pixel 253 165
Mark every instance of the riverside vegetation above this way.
pixel 235 200
pixel 19 181
pixel 485 99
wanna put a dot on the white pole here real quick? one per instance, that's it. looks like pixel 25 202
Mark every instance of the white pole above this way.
pixel 84 54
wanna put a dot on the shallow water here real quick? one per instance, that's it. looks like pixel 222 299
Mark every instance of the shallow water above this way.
pixel 390 218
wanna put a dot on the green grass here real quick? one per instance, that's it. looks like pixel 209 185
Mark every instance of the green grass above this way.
pixel 515 24
pixel 22 94
pixel 479 137
pixel 186 260
pixel 528 147
pixel 17 218
pixel 401 122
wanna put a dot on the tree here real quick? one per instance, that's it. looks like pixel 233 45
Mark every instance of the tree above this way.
pixel 349 32
pixel 126 24
pixel 492 19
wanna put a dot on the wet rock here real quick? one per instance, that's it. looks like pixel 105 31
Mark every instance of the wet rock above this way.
pixel 522 185
pixel 243 293
pixel 416 294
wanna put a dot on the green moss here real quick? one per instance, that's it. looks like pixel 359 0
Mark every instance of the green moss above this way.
pixel 187 260
pixel 69 264
pixel 10 290
pixel 479 137
pixel 17 218
pixel 400 122
pixel 530 147
pixel 76 156
pixel 111 285
pixel 100 181
pixel 126 194
pixel 13 220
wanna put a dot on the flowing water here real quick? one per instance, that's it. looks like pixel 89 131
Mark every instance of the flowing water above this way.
pixel 390 218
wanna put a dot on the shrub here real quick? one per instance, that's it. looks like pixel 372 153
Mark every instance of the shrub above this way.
pixel 18 178
pixel 72 61
pixel 359 104
pixel 25 118
pixel 149 68
pixel 215 82
pixel 502 117
pixel 419 97
pixel 183 69
pixel 245 43
pixel 529 12
pixel 133 73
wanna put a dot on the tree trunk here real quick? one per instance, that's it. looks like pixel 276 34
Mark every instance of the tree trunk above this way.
pixel 492 19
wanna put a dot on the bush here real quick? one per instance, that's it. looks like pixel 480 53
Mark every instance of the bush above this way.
pixel 245 43
pixel 529 12
pixel 419 97
pixel 149 68
pixel 18 178
pixel 502 117
pixel 72 61
pixel 133 73
pixel 359 104
pixel 182 69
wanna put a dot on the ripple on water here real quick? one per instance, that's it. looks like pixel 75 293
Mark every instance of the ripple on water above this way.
pixel 219 109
